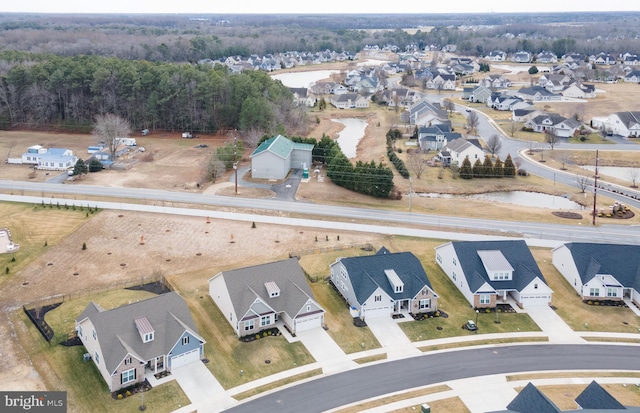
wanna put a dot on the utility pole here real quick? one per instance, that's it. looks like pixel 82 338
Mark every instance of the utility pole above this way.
pixel 410 192
pixel 595 188
pixel 235 160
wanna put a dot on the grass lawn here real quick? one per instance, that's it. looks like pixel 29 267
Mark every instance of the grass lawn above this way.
pixel 578 315
pixel 62 368
pixel 383 401
pixel 229 354
pixel 33 225
pixel 453 404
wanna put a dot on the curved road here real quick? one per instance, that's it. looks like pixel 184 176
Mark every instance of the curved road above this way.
pixel 337 390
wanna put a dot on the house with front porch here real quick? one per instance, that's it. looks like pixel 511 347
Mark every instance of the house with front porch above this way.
pixel 349 101
pixel 424 112
pixel 384 284
pixel 436 136
pixel 620 123
pixel 537 93
pixel 49 159
pixel 559 125
pixel 153 335
pixel 489 272
pixel 256 298
pixel 454 152
pixel 600 271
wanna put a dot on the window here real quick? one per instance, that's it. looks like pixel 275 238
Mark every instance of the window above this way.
pixel 594 292
pixel 185 340
pixel 148 337
pixel 612 292
pixel 248 325
pixel 127 361
pixel 128 376
pixel 94 335
pixel 377 298
pixel 454 276
pixel 96 357
pixel 398 288
pixel 485 299
pixel 535 286
pixel 455 262
pixel 439 258
pixel 308 308
pixel 265 320
pixel 425 304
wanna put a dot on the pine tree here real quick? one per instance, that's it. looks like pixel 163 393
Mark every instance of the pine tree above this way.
pixel 466 171
pixel 477 169
pixel 498 168
pixel 487 167
pixel 509 169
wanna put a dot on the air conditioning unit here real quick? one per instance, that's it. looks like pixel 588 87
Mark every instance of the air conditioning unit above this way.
pixel 86 356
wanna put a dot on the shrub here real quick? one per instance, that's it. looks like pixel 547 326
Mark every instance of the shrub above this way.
pixel 120 396
pixel 84 246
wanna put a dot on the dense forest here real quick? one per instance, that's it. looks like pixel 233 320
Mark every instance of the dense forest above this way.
pixel 68 92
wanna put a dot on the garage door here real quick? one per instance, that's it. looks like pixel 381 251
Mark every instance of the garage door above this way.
pixel 377 312
pixel 185 358
pixel 535 300
pixel 307 323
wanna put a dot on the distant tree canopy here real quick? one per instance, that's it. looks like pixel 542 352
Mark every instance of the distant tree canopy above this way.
pixel 70 92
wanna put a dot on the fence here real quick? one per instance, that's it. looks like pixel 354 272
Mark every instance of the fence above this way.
pixel 365 246
pixel 61 298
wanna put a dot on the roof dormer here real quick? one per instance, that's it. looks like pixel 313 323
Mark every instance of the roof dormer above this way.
pixel 496 265
pixel 146 331
pixel 394 280
pixel 272 289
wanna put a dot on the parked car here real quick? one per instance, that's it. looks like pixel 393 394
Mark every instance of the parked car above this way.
pixel 471 325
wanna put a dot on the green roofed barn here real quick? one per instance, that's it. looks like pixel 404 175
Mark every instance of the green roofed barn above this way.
pixel 275 157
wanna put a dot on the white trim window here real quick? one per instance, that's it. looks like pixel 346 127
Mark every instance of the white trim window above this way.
pixel 424 304
pixel 612 292
pixel 249 325
pixel 185 340
pixel 594 292
pixel 265 320
pixel 128 376
pixel 485 299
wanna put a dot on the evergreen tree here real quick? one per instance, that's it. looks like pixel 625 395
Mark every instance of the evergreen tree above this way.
pixel 509 169
pixel 498 169
pixel 487 167
pixel 80 168
pixel 466 171
pixel 477 169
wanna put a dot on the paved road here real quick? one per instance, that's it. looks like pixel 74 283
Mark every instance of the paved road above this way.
pixel 340 389
pixel 556 232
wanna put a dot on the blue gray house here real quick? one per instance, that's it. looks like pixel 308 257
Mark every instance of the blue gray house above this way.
pixel 275 157
pixel 384 284
pixel 153 335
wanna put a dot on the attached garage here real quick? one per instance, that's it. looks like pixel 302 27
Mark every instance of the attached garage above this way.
pixel 307 323
pixel 535 300
pixel 185 358
pixel 376 312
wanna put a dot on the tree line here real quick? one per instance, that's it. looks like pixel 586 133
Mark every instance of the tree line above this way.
pixel 69 92
pixel 487 169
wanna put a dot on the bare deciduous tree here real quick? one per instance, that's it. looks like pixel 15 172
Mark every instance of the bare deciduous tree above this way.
pixel 449 105
pixel 213 169
pixel 517 161
pixel 472 122
pixel 513 128
pixel 634 174
pixel 583 182
pixel 109 128
pixel 416 162
pixel 551 138
pixel 494 144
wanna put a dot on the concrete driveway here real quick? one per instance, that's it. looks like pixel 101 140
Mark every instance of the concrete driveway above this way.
pixel 202 388
pixel 553 326
pixel 392 338
pixel 326 352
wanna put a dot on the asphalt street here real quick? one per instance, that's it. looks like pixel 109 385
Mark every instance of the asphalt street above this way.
pixel 336 390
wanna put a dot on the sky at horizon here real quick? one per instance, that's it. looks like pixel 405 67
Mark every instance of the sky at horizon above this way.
pixel 313 7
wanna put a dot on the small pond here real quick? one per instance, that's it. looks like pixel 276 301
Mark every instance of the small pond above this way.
pixel 523 198
pixel 349 137
pixel 303 79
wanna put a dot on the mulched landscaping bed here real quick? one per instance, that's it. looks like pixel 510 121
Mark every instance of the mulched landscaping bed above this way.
pixel 131 390
pixel 37 318
pixel 432 314
pixel 157 287
pixel 73 341
pixel 606 303
pixel 567 214
pixel 261 334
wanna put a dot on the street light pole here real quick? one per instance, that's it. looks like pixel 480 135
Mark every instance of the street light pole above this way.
pixel 595 188
pixel 477 312
pixel 235 160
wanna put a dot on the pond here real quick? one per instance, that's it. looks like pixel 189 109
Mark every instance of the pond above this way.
pixel 619 172
pixel 349 137
pixel 523 198
pixel 303 79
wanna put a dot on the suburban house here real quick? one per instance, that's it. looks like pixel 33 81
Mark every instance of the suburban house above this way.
pixel 632 77
pixel 496 56
pixel 546 57
pixel 442 81
pixel 579 91
pixel 620 123
pixel 255 298
pixel 454 152
pixel 521 57
pixel 302 96
pixel 523 115
pixel 349 101
pixel 594 399
pixel 496 82
pixel 49 159
pixel 153 335
pixel 425 113
pixel 480 94
pixel 487 272
pixel 399 97
pixel 384 284
pixel 537 93
pixel 559 125
pixel 275 157
pixel 436 136
pixel 600 271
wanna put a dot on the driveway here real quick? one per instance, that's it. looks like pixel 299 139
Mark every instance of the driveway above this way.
pixel 204 391
pixel 392 338
pixel 326 352
pixel 553 326
pixel 285 191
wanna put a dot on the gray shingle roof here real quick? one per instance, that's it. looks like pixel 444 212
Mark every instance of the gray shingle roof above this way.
pixel 367 273
pixel 595 397
pixel 517 254
pixel 620 261
pixel 246 284
pixel 116 330
pixel 531 400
